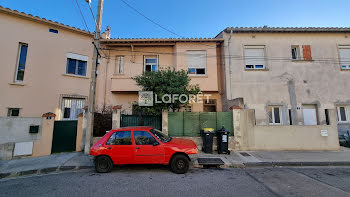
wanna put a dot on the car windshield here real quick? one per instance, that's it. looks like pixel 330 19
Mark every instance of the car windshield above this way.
pixel 161 136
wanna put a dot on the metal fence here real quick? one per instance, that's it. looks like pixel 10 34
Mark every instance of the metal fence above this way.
pixel 144 120
pixel 190 123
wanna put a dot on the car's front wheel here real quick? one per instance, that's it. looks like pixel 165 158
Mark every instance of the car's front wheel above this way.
pixel 103 164
pixel 179 164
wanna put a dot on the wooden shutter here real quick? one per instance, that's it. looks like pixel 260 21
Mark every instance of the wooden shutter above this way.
pixel 307 52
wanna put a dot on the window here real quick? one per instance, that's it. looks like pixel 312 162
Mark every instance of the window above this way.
pixel 326 112
pixel 290 117
pixel 55 31
pixel 254 57
pixel 151 63
pixel 120 138
pixel 302 52
pixel 343 113
pixel 295 52
pixel 13 112
pixel 76 64
pixel 144 138
pixel 196 62
pixel 21 62
pixel 119 62
pixel 275 115
pixel 209 105
pixel 344 55
pixel 71 108
pixel 161 136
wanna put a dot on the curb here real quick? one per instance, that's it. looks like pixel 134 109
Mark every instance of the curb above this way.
pixel 42 171
pixel 293 163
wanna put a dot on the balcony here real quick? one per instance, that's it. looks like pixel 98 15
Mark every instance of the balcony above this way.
pixel 124 85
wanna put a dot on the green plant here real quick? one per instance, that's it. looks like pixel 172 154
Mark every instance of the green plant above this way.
pixel 170 82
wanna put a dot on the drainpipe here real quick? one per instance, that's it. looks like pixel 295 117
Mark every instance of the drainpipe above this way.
pixel 230 64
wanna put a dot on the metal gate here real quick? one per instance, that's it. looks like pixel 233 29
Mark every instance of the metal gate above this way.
pixel 64 136
pixel 190 123
pixel 144 120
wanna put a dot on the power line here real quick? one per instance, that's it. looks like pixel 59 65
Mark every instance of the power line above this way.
pixel 152 21
pixel 81 14
pixel 92 13
pixel 159 25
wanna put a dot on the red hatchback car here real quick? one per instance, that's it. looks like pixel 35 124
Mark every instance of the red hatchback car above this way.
pixel 142 145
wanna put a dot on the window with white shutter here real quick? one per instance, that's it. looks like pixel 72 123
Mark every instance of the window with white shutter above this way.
pixel 196 62
pixel 254 57
pixel 344 55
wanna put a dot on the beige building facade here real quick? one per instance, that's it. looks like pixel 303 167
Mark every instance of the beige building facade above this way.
pixel 45 66
pixel 290 76
pixel 127 58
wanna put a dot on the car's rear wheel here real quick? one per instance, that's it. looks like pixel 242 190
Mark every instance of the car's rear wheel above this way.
pixel 179 164
pixel 103 164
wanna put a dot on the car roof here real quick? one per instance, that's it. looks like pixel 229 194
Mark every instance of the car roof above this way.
pixel 133 128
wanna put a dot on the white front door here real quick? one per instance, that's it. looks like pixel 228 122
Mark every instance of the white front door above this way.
pixel 310 115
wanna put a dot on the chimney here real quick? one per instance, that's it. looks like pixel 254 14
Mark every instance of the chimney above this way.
pixel 107 33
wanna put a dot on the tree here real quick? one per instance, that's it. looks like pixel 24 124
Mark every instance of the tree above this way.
pixel 165 83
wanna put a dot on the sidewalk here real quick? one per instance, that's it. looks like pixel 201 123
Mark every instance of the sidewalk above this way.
pixel 46 164
pixel 283 158
pixel 241 159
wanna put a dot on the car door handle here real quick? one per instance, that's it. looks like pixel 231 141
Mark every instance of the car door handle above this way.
pixel 137 147
pixel 109 148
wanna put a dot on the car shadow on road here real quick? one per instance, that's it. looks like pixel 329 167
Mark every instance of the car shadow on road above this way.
pixel 156 168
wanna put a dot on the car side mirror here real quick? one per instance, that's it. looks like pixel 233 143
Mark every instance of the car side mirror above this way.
pixel 155 143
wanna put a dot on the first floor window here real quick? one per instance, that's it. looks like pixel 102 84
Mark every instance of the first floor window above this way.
pixel 344 55
pixel 275 114
pixel 295 52
pixel 76 64
pixel 119 65
pixel 254 57
pixel 196 62
pixel 343 113
pixel 13 112
pixel 71 108
pixel 151 63
pixel 21 62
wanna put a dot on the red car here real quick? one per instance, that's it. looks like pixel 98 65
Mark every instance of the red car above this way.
pixel 142 145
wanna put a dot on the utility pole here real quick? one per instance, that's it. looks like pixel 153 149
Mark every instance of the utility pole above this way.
pixel 91 106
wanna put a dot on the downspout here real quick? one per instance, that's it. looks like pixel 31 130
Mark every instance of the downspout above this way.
pixel 230 64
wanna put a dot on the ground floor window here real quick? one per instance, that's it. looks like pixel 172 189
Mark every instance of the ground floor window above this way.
pixel 343 113
pixel 71 108
pixel 13 112
pixel 275 115
pixel 209 105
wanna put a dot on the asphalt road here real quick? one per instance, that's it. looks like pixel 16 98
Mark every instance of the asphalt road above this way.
pixel 158 181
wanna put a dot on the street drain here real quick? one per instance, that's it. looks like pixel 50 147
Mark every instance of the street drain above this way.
pixel 244 154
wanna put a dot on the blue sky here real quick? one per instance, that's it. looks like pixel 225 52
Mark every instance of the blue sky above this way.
pixel 189 18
